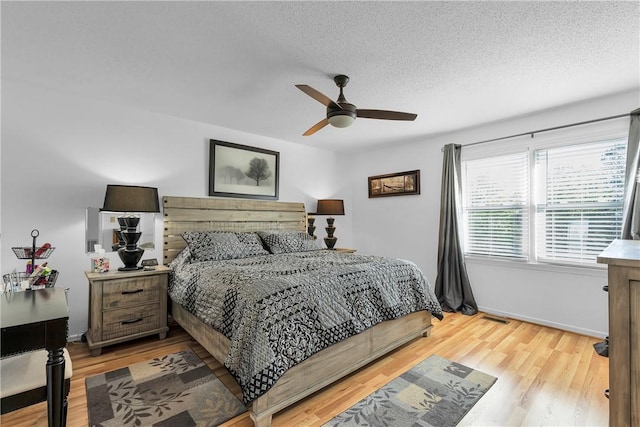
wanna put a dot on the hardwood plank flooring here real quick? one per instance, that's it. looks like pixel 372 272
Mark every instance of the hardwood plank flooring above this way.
pixel 546 377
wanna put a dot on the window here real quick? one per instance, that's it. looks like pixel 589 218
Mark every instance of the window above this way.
pixel 579 198
pixel 496 204
pixel 555 204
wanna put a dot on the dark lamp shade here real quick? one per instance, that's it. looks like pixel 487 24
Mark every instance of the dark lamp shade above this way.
pixel 330 207
pixel 131 198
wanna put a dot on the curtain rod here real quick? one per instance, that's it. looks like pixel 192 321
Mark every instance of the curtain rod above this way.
pixel 549 129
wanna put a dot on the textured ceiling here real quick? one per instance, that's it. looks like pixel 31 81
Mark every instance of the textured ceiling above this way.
pixel 235 64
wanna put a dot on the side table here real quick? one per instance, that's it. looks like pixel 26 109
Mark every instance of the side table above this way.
pixel 345 250
pixel 124 305
pixel 32 320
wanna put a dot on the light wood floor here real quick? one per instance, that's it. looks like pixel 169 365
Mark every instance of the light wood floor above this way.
pixel 546 377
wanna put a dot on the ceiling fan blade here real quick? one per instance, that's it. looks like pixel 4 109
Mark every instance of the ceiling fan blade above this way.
pixel 315 128
pixel 385 115
pixel 318 96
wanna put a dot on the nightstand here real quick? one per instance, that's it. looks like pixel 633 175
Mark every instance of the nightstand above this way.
pixel 345 250
pixel 125 305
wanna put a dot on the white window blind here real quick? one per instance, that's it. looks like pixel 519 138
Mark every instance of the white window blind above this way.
pixel 496 206
pixel 579 193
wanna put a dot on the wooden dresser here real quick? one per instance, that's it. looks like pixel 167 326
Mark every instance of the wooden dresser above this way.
pixel 623 259
pixel 126 305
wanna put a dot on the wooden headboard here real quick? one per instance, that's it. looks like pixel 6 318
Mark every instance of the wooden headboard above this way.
pixel 208 214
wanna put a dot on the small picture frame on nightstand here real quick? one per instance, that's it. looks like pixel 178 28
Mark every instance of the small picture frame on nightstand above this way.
pixel 149 262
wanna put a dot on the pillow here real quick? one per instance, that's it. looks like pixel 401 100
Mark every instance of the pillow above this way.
pixel 252 244
pixel 184 257
pixel 282 242
pixel 213 245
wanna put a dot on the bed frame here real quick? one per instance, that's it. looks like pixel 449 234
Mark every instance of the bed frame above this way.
pixel 325 367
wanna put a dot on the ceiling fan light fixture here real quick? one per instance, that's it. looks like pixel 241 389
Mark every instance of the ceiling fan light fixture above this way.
pixel 343 117
pixel 342 114
pixel 341 121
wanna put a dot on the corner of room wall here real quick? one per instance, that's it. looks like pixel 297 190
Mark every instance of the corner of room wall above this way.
pixel 60 150
pixel 407 227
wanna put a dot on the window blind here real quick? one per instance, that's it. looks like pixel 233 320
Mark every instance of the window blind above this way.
pixel 495 206
pixel 578 200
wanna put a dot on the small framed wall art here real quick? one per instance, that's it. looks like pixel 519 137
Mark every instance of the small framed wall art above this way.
pixel 241 171
pixel 395 184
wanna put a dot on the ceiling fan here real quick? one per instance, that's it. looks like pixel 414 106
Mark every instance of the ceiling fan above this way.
pixel 342 114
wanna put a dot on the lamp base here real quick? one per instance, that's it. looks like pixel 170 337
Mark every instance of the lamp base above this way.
pixel 136 268
pixel 130 258
pixel 130 254
pixel 330 242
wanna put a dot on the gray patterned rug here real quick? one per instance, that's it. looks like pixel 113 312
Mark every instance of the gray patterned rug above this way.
pixel 436 392
pixel 175 390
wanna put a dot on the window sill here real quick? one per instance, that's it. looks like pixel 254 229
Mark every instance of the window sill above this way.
pixel 596 270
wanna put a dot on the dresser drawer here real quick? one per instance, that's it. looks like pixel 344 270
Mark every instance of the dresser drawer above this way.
pixel 129 321
pixel 122 293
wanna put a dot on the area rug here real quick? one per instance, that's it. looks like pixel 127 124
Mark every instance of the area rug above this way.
pixel 175 390
pixel 436 392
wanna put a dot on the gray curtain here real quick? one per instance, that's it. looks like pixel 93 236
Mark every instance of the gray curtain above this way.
pixel 631 213
pixel 452 284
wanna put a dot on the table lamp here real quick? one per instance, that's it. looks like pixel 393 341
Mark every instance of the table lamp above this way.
pixel 330 207
pixel 130 199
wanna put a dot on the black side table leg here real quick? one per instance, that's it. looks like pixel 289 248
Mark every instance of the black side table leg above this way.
pixel 56 400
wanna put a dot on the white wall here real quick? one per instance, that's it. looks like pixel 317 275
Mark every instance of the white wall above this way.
pixel 407 226
pixel 59 152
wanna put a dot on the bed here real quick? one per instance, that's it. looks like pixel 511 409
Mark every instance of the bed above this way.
pixel 202 291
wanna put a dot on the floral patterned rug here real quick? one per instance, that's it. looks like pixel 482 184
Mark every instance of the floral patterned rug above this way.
pixel 436 392
pixel 175 390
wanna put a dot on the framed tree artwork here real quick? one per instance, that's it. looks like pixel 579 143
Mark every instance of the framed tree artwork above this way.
pixel 241 171
pixel 395 184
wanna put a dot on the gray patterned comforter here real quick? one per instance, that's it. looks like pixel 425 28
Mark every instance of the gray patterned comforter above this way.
pixel 278 310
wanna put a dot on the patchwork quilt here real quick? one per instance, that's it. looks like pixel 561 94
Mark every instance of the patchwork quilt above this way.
pixel 278 310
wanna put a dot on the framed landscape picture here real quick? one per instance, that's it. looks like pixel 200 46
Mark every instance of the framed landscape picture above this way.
pixel 241 171
pixel 395 184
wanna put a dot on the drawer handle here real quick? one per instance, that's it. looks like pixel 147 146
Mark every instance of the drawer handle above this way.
pixel 128 322
pixel 132 292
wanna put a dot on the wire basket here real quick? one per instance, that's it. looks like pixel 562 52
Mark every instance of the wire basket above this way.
pixel 14 281
pixel 27 252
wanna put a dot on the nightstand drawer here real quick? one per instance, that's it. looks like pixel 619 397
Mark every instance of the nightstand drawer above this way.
pixel 127 292
pixel 129 321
